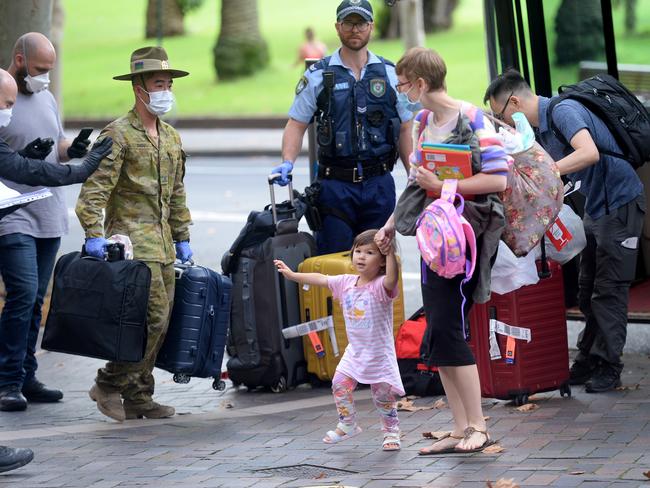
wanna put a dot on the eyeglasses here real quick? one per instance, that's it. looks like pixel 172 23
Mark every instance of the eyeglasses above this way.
pixel 500 115
pixel 347 26
pixel 404 83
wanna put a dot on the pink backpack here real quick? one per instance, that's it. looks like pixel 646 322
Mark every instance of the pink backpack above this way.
pixel 443 234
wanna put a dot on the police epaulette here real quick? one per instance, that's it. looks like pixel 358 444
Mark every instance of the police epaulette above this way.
pixel 322 64
pixel 386 61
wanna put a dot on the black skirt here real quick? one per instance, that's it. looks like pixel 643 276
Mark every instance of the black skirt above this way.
pixel 444 342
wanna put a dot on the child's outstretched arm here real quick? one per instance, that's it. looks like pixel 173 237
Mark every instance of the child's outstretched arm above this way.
pixel 392 271
pixel 308 278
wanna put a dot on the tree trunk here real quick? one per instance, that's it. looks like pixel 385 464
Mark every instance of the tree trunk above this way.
pixel 630 16
pixel 438 14
pixel 240 49
pixel 411 23
pixel 56 87
pixel 170 17
pixel 18 17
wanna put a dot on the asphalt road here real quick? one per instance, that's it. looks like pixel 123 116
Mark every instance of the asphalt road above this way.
pixel 221 192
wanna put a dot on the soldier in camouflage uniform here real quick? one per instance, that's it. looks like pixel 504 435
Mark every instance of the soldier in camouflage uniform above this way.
pixel 140 187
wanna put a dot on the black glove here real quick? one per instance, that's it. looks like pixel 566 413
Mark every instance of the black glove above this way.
pixel 37 149
pixel 99 151
pixel 78 148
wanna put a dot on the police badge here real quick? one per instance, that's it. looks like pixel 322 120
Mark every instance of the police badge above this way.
pixel 378 87
pixel 302 84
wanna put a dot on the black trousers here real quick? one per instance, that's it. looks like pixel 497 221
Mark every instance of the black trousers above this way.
pixel 607 267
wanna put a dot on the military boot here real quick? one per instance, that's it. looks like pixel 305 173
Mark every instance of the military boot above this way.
pixel 109 403
pixel 151 410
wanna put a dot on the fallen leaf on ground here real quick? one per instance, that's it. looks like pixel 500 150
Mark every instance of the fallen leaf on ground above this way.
pixel 493 449
pixel 503 483
pixel 647 474
pixel 320 476
pixel 577 472
pixel 437 435
pixel 407 405
pixel 528 407
pixel 629 387
pixel 440 403
pixel 226 405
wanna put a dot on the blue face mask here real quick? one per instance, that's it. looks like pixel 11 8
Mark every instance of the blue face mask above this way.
pixel 403 101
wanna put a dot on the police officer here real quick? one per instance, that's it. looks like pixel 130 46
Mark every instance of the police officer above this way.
pixel 140 187
pixel 360 131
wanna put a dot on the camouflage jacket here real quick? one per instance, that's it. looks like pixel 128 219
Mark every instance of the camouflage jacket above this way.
pixel 140 187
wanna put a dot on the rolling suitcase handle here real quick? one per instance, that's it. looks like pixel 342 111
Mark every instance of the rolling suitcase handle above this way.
pixel 272 178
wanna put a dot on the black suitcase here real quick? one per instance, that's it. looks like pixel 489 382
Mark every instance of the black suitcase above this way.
pixel 196 338
pixel 264 304
pixel 98 308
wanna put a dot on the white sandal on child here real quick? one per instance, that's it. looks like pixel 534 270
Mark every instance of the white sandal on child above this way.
pixel 391 438
pixel 332 437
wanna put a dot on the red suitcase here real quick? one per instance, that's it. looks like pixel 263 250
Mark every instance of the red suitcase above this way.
pixel 539 365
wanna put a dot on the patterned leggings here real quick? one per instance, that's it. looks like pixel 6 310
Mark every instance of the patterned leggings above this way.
pixel 382 395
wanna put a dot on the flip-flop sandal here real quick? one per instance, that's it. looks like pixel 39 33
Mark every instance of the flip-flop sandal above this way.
pixel 391 438
pixel 332 437
pixel 446 450
pixel 469 431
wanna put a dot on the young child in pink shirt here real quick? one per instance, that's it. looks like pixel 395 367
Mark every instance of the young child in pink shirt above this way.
pixel 370 357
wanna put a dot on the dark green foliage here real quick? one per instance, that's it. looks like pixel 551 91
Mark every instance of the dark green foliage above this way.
pixel 579 29
pixel 188 5
pixel 234 58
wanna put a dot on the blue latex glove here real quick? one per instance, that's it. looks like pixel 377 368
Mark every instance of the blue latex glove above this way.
pixel 96 246
pixel 284 169
pixel 183 251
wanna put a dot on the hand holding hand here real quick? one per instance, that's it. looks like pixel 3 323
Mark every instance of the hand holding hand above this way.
pixel 183 251
pixel 78 148
pixel 428 180
pixel 37 149
pixel 284 169
pixel 384 239
pixel 96 247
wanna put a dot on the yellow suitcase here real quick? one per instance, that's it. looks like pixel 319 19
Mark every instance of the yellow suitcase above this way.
pixel 316 302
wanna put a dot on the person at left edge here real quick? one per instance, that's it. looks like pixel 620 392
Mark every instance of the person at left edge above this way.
pixel 22 167
pixel 30 236
pixel 361 130
pixel 140 187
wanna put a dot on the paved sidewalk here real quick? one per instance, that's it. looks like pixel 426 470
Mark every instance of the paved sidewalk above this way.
pixel 258 439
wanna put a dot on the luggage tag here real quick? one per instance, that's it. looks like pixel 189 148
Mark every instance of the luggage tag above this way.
pixel 510 350
pixel 558 234
pixel 316 344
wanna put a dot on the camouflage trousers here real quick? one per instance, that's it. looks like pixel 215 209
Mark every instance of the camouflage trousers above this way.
pixel 134 380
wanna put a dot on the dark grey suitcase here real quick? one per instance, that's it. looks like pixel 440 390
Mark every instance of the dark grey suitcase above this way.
pixel 263 304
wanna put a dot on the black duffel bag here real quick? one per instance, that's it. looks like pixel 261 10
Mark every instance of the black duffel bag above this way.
pixel 98 308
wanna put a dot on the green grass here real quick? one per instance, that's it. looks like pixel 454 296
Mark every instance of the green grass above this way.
pixel 98 41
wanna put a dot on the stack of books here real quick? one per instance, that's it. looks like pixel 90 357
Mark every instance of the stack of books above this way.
pixel 447 161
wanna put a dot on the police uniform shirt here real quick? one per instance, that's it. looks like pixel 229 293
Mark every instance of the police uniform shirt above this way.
pixel 311 84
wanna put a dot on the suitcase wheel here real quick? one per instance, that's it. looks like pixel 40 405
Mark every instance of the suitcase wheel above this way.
pixel 181 378
pixel 280 386
pixel 219 385
pixel 520 399
pixel 565 390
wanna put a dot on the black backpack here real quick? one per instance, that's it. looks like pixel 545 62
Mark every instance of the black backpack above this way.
pixel 623 114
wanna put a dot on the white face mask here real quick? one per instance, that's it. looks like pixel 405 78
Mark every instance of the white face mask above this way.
pixel 160 102
pixel 38 83
pixel 5 117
